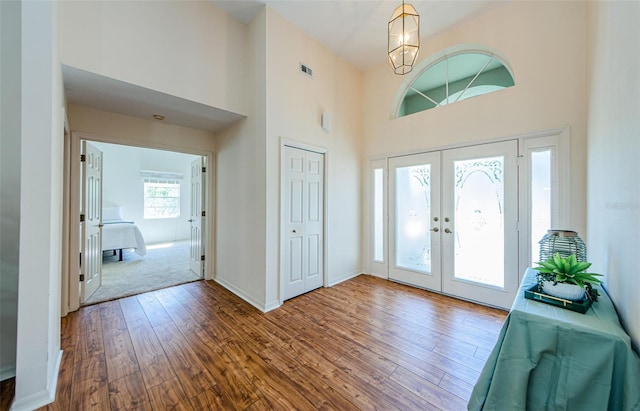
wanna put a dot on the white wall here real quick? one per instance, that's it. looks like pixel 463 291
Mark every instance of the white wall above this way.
pixel 10 108
pixel 42 127
pixel 614 149
pixel 123 187
pixel 545 45
pixel 189 49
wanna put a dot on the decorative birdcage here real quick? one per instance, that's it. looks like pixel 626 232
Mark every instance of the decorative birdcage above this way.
pixel 563 242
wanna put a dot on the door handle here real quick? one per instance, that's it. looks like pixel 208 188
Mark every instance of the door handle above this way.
pixel 190 220
pixel 446 230
pixel 435 229
pixel 293 231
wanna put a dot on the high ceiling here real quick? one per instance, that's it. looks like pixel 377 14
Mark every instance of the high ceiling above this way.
pixel 356 30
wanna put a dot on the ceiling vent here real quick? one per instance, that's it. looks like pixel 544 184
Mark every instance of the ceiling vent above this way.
pixel 306 70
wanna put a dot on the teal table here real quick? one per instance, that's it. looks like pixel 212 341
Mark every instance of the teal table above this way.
pixel 549 358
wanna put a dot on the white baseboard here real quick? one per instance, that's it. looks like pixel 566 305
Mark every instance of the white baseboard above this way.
pixel 344 278
pixel 258 304
pixel 43 397
pixel 383 276
pixel 8 371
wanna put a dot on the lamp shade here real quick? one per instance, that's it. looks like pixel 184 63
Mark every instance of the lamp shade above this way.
pixel 404 38
pixel 563 242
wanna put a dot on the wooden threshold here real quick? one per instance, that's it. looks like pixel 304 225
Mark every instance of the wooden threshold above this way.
pixel 363 344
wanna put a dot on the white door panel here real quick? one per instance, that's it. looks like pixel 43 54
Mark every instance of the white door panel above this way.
pixel 302 261
pixel 91 227
pixel 196 218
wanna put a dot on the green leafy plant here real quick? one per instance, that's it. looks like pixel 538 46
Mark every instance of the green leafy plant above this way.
pixel 568 270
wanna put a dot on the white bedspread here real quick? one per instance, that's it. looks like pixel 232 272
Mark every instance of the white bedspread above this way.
pixel 123 235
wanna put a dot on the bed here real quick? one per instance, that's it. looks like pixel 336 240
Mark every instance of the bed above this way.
pixel 119 234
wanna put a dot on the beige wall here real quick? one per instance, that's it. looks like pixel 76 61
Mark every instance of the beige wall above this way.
pixel 614 149
pixel 287 105
pixel 139 132
pixel 240 185
pixel 295 104
pixel 189 49
pixel 545 45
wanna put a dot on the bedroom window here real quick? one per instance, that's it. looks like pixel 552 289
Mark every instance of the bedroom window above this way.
pixel 161 198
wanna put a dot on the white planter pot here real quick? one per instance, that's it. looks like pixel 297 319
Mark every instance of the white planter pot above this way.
pixel 563 290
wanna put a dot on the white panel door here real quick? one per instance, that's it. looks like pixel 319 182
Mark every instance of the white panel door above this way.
pixel 196 219
pixel 91 222
pixel 414 220
pixel 302 230
pixel 480 223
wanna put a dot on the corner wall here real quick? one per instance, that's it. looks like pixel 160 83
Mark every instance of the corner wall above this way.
pixel 613 148
pixel 42 127
pixel 240 184
pixel 295 104
pixel 10 113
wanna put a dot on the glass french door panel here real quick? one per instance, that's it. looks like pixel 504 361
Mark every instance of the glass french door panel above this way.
pixel 413 216
pixel 414 220
pixel 480 223
pixel 479 220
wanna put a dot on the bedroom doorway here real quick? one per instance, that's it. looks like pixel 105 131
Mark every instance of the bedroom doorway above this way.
pixel 149 236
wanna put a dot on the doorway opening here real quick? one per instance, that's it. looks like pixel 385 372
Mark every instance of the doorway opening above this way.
pixel 150 209
pixel 147 201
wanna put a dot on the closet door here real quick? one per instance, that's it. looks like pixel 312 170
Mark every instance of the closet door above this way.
pixel 302 231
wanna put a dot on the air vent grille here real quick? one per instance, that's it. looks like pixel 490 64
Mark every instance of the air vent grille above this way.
pixel 306 70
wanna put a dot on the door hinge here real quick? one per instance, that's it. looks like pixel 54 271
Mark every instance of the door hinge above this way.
pixel 204 169
pixel 203 214
pixel 201 258
pixel 81 277
pixel 83 158
pixel 82 218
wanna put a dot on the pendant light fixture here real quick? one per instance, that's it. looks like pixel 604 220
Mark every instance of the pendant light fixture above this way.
pixel 404 38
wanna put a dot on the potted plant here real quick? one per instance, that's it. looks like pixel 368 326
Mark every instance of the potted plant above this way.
pixel 565 277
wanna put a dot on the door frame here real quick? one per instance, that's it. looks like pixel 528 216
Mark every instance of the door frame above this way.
pixel 559 136
pixel 285 142
pixel 71 208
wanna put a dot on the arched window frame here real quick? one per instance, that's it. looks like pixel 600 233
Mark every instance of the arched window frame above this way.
pixel 436 58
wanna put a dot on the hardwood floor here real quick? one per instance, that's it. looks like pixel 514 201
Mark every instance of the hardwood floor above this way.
pixel 361 345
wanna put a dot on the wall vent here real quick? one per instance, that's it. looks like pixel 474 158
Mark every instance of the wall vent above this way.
pixel 306 70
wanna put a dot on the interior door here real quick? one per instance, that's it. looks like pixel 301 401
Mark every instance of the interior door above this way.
pixel 90 221
pixel 303 232
pixel 414 235
pixel 480 223
pixel 196 218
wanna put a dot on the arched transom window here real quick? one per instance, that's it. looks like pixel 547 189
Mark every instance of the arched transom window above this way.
pixel 455 77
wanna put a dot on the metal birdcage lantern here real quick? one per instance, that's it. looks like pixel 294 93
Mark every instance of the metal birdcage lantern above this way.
pixel 564 242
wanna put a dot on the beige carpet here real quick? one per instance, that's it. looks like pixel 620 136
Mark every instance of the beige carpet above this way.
pixel 163 266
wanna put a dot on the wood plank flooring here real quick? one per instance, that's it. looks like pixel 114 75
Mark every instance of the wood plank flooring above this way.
pixel 364 344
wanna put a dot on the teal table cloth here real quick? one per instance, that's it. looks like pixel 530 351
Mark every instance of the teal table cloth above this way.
pixel 550 358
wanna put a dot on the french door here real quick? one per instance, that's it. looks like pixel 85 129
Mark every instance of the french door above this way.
pixel 453 222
